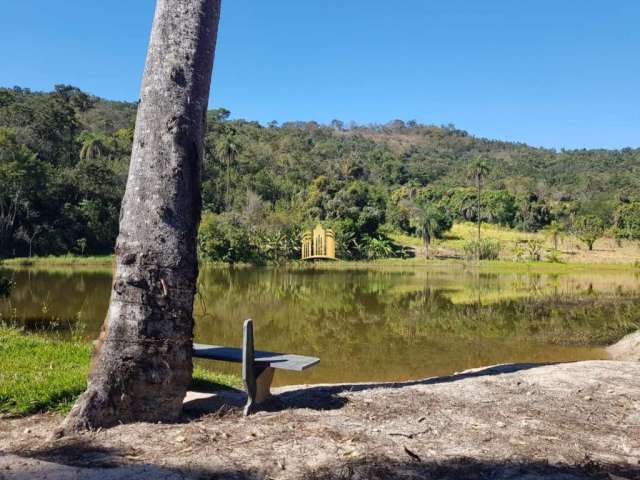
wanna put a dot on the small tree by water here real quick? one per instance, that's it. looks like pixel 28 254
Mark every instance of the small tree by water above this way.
pixel 588 228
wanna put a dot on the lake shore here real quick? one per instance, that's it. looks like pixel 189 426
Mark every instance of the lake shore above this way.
pixel 44 373
pixel 449 318
pixel 104 263
pixel 570 252
pixel 560 421
pixel 564 421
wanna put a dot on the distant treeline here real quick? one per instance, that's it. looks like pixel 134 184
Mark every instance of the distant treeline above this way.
pixel 64 158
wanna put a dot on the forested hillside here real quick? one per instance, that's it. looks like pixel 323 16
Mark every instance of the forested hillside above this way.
pixel 64 157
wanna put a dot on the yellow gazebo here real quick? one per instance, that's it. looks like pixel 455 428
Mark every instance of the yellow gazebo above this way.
pixel 319 243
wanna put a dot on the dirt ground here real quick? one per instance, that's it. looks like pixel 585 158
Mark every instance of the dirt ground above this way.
pixel 565 421
pixel 627 349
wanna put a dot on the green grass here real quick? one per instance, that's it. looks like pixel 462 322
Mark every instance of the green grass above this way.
pixel 466 231
pixel 43 374
pixel 208 381
pixel 463 232
pixel 58 261
pixel 39 374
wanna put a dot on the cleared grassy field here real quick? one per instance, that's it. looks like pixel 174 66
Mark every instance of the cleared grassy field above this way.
pixel 41 374
pixel 570 248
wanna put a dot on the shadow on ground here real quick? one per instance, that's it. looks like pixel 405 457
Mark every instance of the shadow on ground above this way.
pixel 471 469
pixel 110 465
pixel 86 459
pixel 328 397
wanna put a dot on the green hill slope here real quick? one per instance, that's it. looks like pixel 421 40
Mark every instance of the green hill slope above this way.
pixel 64 157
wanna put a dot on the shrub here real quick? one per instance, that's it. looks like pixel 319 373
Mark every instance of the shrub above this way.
pixel 5 286
pixel 485 249
pixel 234 238
pixel 498 206
pixel 627 221
pixel 518 252
pixel 224 238
pixel 533 214
pixel 377 247
pixel 534 250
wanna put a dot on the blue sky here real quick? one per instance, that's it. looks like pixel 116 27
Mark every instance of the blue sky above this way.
pixel 554 73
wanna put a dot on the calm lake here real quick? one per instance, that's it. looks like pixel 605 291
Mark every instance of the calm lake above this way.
pixel 369 324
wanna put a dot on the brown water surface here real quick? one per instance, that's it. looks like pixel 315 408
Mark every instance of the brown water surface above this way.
pixel 369 324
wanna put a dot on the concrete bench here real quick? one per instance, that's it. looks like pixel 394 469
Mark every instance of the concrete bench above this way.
pixel 258 367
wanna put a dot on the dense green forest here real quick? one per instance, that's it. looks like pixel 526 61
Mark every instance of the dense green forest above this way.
pixel 64 158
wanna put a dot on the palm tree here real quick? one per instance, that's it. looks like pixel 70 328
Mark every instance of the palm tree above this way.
pixel 141 364
pixel 478 171
pixel 227 150
pixel 93 146
pixel 555 230
pixel 432 222
pixel 427 232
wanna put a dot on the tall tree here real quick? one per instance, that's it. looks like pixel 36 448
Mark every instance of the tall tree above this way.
pixel 227 150
pixel 479 171
pixel 141 365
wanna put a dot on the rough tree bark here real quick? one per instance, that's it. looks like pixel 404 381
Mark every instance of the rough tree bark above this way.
pixel 141 365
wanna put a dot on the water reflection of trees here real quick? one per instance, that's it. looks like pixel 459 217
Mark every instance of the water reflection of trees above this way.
pixel 383 307
pixel 374 324
pixel 57 299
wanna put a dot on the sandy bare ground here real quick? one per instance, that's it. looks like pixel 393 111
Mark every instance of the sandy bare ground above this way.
pixel 627 349
pixel 566 421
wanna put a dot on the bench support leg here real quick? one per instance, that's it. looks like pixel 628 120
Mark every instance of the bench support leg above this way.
pixel 256 379
pixel 258 390
pixel 263 382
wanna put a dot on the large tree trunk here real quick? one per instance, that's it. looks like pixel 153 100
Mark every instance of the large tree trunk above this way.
pixel 141 366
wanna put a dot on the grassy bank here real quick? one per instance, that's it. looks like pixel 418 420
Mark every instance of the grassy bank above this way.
pixel 57 264
pixel 58 261
pixel 486 266
pixel 39 373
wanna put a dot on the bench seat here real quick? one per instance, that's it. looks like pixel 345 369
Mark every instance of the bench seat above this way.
pixel 282 361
